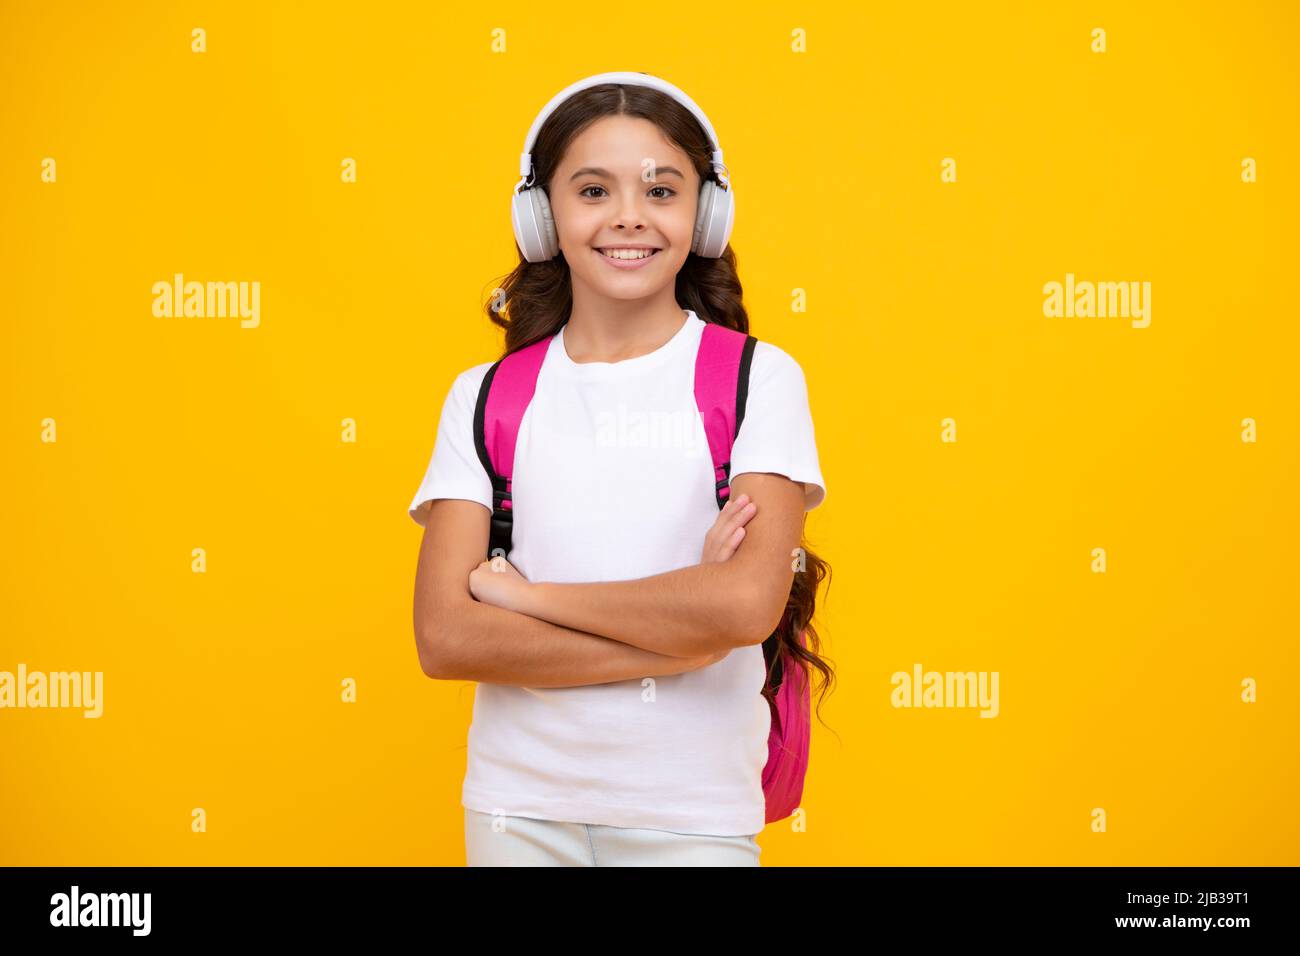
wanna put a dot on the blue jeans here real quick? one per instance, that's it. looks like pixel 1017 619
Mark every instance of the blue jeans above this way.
pixel 524 841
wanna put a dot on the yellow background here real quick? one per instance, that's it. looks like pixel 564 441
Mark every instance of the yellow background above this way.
pixel 222 690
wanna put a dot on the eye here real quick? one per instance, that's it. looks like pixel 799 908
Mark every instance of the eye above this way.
pixel 585 193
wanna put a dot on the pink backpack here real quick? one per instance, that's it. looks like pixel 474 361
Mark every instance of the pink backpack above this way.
pixel 721 385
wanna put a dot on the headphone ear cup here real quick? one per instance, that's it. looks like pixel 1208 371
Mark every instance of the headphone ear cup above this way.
pixel 714 220
pixel 550 240
pixel 530 212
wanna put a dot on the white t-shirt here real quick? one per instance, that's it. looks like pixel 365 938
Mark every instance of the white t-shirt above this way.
pixel 613 481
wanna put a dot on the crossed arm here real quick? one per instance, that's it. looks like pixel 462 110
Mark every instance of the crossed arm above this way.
pixel 543 634
pixel 693 610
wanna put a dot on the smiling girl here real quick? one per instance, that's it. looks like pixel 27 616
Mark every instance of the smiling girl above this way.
pixel 623 707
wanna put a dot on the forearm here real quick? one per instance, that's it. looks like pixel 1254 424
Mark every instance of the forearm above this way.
pixel 693 610
pixel 480 642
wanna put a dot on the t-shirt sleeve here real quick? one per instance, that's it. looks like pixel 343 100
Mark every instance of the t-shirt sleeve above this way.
pixel 455 470
pixel 776 434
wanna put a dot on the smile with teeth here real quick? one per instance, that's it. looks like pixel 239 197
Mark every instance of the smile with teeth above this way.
pixel 627 253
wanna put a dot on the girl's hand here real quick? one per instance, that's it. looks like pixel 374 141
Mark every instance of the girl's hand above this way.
pixel 729 530
pixel 497 582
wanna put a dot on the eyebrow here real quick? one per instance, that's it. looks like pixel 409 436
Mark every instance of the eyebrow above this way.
pixel 597 171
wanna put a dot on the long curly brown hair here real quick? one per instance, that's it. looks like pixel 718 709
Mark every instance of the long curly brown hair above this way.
pixel 536 299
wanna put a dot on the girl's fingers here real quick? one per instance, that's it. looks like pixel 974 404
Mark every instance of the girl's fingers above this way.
pixel 739 517
pixel 727 523
pixel 731 544
pixel 733 502
pixel 728 531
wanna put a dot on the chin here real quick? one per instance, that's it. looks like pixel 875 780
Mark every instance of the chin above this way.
pixel 625 292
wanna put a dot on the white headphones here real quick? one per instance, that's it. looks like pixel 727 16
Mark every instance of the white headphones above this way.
pixel 530 210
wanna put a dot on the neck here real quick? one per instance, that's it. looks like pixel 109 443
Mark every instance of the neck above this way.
pixel 614 330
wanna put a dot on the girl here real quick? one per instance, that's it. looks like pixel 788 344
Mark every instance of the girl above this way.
pixel 622 710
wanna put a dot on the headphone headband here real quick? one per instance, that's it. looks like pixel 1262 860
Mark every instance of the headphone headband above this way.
pixel 629 78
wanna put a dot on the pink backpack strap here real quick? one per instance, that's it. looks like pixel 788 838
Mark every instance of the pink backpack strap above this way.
pixel 503 398
pixel 721 386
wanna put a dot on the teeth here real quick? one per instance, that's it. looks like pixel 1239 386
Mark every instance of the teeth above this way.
pixel 627 253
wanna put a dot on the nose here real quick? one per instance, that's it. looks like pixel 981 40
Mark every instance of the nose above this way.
pixel 628 215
